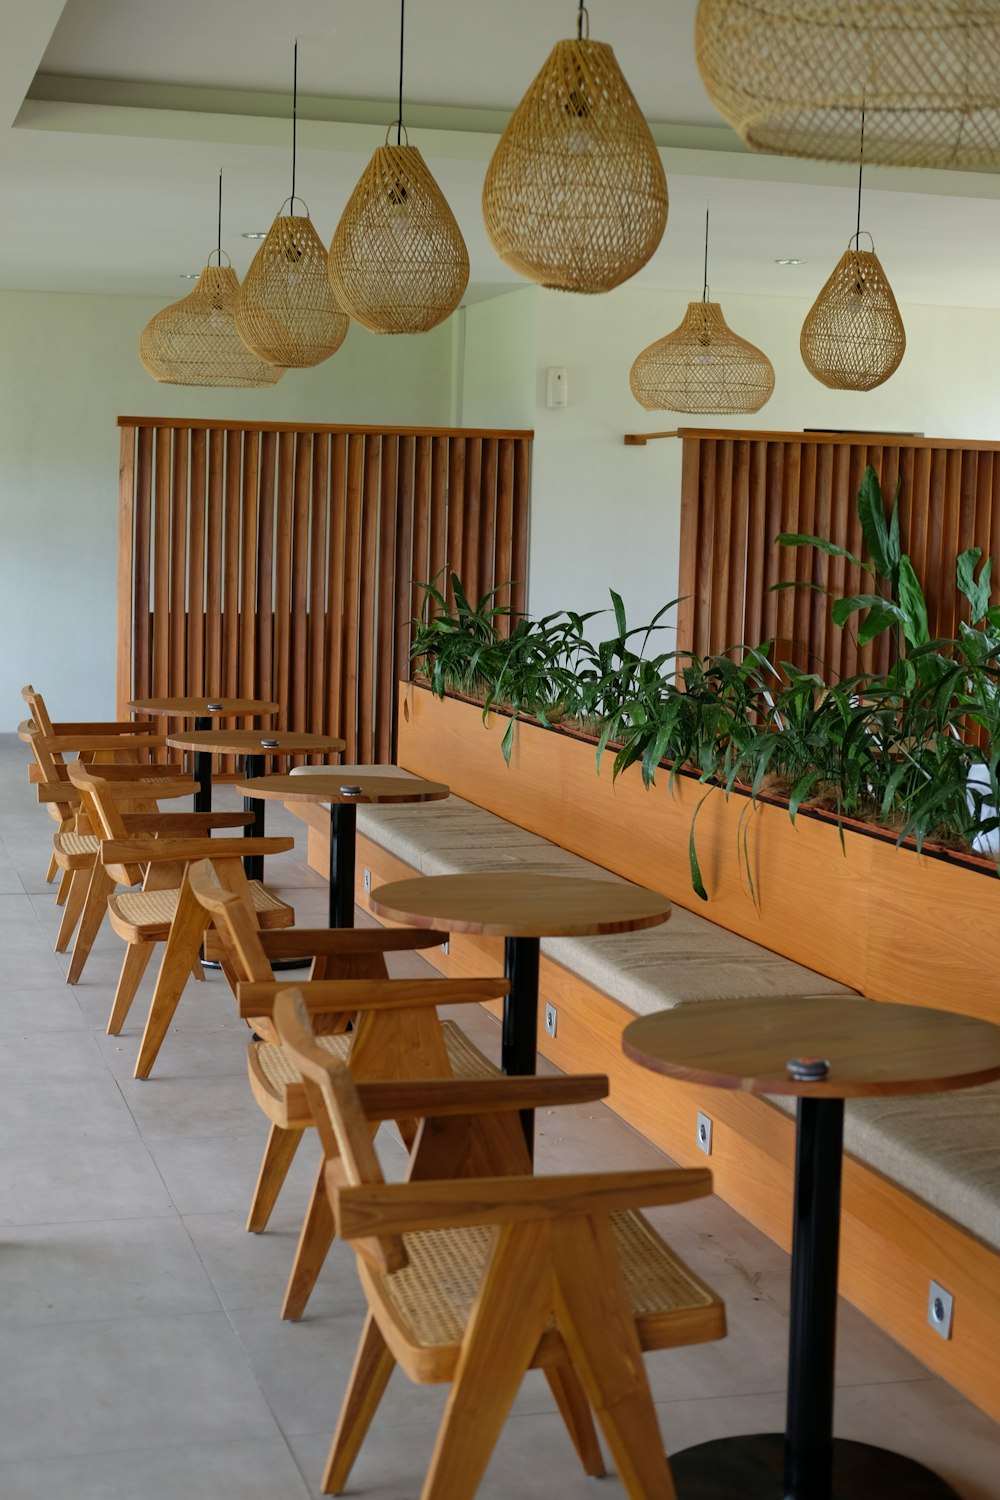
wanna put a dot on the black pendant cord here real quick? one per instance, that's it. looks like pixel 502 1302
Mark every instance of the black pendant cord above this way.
pixel 402 28
pixel 295 115
pixel 219 237
pixel 861 168
pixel 704 285
pixel 579 22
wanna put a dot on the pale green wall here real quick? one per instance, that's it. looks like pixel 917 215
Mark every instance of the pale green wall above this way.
pixel 606 515
pixel 68 369
pixel 498 350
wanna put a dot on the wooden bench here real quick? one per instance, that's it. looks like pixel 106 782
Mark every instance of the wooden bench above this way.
pixel 922 1182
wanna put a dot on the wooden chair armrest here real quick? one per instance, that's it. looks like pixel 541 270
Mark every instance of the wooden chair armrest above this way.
pixel 179 825
pixel 129 771
pixel 57 791
pixel 147 851
pixel 398 1208
pixel 424 1099
pixel 321 995
pixel 26 729
pixel 107 726
pixel 296 942
pixel 86 744
pixel 132 791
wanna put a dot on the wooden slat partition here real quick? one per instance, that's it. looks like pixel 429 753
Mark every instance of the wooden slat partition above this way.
pixel 280 561
pixel 740 489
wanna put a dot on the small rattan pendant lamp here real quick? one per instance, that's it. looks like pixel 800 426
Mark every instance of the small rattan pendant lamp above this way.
pixel 287 313
pixel 703 366
pixel 791 75
pixel 194 341
pixel 853 337
pixel 398 261
pixel 575 196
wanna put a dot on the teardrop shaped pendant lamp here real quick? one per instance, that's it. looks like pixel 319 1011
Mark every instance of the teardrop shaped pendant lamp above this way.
pixel 703 366
pixel 575 196
pixel 398 261
pixel 853 337
pixel 287 313
pixel 194 341
pixel 791 75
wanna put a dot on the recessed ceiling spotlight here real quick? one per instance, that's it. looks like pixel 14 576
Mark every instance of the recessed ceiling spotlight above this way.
pixel 255 234
pixel 790 260
pixel 189 275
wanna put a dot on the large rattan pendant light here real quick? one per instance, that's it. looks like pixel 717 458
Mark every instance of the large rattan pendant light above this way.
pixel 853 337
pixel 703 366
pixel 398 261
pixel 791 75
pixel 194 341
pixel 287 312
pixel 575 197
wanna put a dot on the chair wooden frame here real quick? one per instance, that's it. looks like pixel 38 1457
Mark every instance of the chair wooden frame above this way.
pixel 554 1287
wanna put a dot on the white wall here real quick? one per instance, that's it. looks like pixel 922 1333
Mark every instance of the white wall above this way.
pixel 606 515
pixel 68 370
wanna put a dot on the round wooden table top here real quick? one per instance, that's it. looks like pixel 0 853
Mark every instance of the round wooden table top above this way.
pixel 872 1046
pixel 517 905
pixel 203 708
pixel 252 741
pixel 356 785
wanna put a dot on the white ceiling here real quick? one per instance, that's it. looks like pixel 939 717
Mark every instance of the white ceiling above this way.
pixel 118 115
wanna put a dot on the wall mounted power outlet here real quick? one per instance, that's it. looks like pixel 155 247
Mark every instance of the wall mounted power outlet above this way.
pixel 940 1307
pixel 446 945
pixel 550 1019
pixel 703 1134
pixel 368 880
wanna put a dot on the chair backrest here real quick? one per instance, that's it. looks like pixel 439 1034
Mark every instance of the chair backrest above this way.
pixel 344 1131
pixel 37 709
pixel 48 765
pixel 105 817
pixel 233 916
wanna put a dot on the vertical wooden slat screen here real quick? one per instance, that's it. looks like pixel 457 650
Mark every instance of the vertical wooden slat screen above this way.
pixel 280 561
pixel 740 489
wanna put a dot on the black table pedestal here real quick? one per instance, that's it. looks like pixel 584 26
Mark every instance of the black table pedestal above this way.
pixel 343 841
pixel 253 765
pixel 203 772
pixel 519 1040
pixel 807 1462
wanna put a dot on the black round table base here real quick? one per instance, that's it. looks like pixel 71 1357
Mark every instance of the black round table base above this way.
pixel 752 1468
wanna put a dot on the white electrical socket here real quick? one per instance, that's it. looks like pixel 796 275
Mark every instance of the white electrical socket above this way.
pixel 446 945
pixel 550 1019
pixel 368 880
pixel 703 1134
pixel 940 1307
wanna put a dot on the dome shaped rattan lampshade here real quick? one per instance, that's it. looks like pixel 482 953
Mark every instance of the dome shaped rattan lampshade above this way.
pixel 792 77
pixel 286 312
pixel 703 366
pixel 194 341
pixel 853 337
pixel 398 261
pixel 575 196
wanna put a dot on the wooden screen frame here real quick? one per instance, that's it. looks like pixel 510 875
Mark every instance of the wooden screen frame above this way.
pixel 293 517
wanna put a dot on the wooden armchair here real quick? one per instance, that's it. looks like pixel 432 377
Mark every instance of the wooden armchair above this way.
pixel 395 1031
pixel 143 918
pixel 473 1281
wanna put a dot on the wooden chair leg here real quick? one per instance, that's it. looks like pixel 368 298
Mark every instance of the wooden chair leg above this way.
pixel 137 956
pixel 50 873
pixel 571 1399
pixel 94 911
pixel 596 1322
pixel 73 910
pixel 513 1306
pixel 279 1153
pixel 317 1236
pixel 373 1365
pixel 179 958
pixel 64 887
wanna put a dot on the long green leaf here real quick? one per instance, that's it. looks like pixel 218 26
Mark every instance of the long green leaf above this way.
pixel 911 597
pixel 697 884
pixel 803 539
pixel 875 528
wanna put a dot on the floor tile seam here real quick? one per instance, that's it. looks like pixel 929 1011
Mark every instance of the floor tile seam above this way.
pixel 106 1218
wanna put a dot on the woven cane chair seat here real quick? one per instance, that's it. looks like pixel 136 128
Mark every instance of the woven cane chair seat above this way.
pixel 281 1073
pixel 157 908
pixel 434 1293
pixel 73 844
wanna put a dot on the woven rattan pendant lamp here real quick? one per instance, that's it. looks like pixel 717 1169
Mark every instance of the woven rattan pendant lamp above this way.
pixel 703 366
pixel 398 261
pixel 791 75
pixel 287 313
pixel 575 197
pixel 853 337
pixel 194 341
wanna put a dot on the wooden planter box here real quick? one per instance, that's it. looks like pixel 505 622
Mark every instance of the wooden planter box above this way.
pixel 891 923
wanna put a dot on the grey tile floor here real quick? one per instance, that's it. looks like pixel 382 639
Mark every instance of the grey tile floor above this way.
pixel 141 1352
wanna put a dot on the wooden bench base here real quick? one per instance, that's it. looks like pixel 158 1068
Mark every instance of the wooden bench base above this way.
pixel 892 1245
